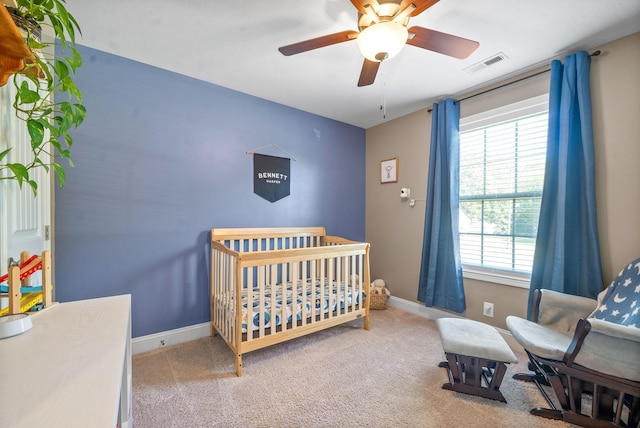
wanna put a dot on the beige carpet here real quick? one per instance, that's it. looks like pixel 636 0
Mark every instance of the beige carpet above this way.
pixel 341 377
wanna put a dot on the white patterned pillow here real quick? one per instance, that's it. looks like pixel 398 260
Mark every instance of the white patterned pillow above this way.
pixel 620 302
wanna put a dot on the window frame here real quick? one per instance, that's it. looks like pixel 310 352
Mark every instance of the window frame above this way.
pixel 530 106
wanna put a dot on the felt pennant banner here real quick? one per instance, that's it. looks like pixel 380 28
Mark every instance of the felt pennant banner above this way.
pixel 271 177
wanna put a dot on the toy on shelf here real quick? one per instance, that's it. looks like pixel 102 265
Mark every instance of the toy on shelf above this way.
pixel 22 296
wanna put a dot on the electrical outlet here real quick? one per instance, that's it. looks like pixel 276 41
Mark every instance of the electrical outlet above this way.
pixel 487 309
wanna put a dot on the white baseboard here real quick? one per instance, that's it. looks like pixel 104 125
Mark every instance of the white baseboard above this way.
pixel 420 309
pixel 434 314
pixel 170 337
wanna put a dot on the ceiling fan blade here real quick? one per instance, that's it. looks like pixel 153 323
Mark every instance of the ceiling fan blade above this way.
pixel 421 5
pixel 368 73
pixel 359 4
pixel 443 43
pixel 318 42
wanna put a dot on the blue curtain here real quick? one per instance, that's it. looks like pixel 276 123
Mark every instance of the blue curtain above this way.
pixel 441 271
pixel 567 254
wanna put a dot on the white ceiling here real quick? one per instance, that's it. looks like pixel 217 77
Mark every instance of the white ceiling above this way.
pixel 235 44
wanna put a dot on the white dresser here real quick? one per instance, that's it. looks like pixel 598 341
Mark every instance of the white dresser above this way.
pixel 72 369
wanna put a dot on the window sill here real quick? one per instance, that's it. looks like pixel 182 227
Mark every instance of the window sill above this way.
pixel 496 276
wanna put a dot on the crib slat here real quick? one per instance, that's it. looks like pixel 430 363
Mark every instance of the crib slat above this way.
pixel 250 281
pixel 345 283
pixel 230 291
pixel 333 267
pixel 222 293
pixel 312 292
pixel 351 284
pixel 225 281
pixel 362 279
pixel 273 289
pixel 303 294
pixel 322 278
pixel 294 300
pixel 327 285
pixel 336 284
pixel 261 291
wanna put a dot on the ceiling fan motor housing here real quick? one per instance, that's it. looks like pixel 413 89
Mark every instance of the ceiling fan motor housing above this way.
pixel 385 12
pixel 381 37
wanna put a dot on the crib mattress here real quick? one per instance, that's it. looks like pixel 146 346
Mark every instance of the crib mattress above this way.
pixel 327 298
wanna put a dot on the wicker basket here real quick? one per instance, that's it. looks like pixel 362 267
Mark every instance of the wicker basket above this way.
pixel 378 301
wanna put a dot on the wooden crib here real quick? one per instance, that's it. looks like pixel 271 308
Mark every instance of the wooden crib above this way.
pixel 269 285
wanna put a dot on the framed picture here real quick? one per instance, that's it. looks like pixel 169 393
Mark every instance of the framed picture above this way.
pixel 389 171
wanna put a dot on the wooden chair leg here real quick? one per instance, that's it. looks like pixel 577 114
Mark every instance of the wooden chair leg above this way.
pixel 452 364
pixel 574 393
pixel 466 375
pixel 559 389
pixel 498 375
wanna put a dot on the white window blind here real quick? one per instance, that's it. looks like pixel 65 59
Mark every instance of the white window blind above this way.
pixel 502 159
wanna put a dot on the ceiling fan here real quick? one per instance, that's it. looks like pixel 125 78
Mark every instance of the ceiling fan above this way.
pixel 383 33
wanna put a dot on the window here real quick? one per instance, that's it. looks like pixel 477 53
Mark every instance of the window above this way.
pixel 502 159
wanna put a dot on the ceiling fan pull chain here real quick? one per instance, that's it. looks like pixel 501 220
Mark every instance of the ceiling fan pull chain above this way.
pixel 383 100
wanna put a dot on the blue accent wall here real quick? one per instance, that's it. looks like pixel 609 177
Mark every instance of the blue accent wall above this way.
pixel 160 160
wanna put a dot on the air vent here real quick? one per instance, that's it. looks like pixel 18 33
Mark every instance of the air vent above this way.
pixel 486 63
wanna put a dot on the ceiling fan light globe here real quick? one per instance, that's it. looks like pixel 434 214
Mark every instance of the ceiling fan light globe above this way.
pixel 382 41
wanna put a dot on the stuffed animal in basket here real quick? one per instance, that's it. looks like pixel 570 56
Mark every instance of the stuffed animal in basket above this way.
pixel 378 287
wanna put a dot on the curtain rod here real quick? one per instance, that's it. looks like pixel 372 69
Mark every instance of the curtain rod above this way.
pixel 596 53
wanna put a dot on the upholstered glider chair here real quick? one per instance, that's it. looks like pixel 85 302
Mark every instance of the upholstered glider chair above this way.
pixel 588 351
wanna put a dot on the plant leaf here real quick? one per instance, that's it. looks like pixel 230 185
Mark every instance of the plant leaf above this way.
pixel 19 171
pixel 59 170
pixel 61 68
pixel 75 60
pixel 36 131
pixel 65 124
pixel 70 87
pixel 65 18
pixel 58 27
pixel 81 113
pixel 27 96
pixel 68 139
pixel 42 164
pixel 36 45
pixel 56 144
pixel 34 186
pixel 75 23
pixel 5 153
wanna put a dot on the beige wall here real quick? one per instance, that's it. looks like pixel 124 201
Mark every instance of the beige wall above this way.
pixel 395 230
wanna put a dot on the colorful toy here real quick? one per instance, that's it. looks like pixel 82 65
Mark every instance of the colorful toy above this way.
pixel 22 296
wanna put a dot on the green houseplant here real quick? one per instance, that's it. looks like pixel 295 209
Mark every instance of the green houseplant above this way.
pixel 48 119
